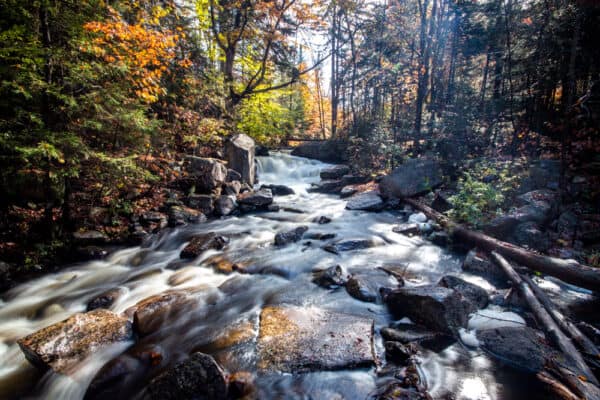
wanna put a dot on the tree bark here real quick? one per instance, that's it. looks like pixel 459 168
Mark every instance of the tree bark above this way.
pixel 569 271
pixel 559 339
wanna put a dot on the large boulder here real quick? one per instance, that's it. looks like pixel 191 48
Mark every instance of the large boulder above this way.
pixel 414 177
pixel 260 198
pixel 200 243
pixel 366 201
pixel 329 278
pixel 208 173
pixel 240 156
pixel 475 294
pixel 328 150
pixel 279 190
pixel 330 186
pixel 197 378
pixel 205 203
pixel 152 312
pixel 284 238
pixel 295 339
pixel 63 345
pixel 350 245
pixel 529 235
pixel 438 308
pixel 335 172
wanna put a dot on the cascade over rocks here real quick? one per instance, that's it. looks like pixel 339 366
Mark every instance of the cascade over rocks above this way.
pixel 414 177
pixel 197 378
pixel 240 157
pixel 63 345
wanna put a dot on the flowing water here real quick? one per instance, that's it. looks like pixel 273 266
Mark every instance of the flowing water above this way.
pixel 232 303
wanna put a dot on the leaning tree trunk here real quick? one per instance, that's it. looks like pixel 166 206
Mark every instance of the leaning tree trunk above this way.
pixel 569 271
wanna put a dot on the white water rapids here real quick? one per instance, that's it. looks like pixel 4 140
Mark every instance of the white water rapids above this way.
pixel 460 371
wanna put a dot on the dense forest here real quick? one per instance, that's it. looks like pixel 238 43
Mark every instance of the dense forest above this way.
pixel 133 123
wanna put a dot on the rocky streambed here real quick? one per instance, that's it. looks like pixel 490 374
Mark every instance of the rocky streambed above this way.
pixel 312 296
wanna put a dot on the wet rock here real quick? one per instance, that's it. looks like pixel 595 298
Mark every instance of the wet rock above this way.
pixel 349 245
pixel 529 235
pixel 414 177
pixel 477 263
pixel 262 151
pixel 323 220
pixel 85 253
pixel 232 188
pixel 233 175
pixel 200 243
pixel 438 308
pixel 441 239
pixel 208 173
pixel 295 339
pixel 151 313
pixel 260 198
pixel 327 151
pixel 201 202
pixel 63 345
pixel 401 391
pixel 197 378
pixel 417 218
pixel 221 263
pixel 89 238
pixel 224 205
pixel 180 215
pixel 361 288
pixel 327 187
pixel 475 294
pixel 410 333
pixel 330 278
pixel 335 172
pixel 366 201
pixel 348 191
pixel 354 179
pixel 320 236
pixel 106 299
pixel 240 156
pixel 295 235
pixel 397 352
pixel 279 190
pixel 522 348
pixel 408 229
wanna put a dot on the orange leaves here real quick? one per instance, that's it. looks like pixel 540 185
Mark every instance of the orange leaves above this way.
pixel 146 52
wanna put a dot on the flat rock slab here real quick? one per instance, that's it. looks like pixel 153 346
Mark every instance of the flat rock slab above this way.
pixel 293 339
pixel 63 345
pixel 366 201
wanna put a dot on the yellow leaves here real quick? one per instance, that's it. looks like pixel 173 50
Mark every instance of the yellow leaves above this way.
pixel 146 52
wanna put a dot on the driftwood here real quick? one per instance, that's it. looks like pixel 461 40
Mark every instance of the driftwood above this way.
pixel 584 343
pixel 569 271
pixel 560 340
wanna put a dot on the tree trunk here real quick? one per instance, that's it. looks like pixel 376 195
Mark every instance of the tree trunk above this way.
pixel 559 339
pixel 569 271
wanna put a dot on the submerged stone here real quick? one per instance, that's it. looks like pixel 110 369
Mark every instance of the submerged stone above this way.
pixel 295 339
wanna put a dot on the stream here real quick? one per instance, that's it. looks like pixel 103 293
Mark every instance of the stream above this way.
pixel 231 301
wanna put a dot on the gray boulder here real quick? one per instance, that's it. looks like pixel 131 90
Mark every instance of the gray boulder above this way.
pixel 438 308
pixel 329 278
pixel 200 243
pixel 477 263
pixel 335 172
pixel 529 234
pixel 349 245
pixel 284 238
pixel 259 198
pixel 225 205
pixel 414 177
pixel 328 151
pixel 366 201
pixel 333 186
pixel 208 173
pixel 240 156
pixel 232 188
pixel 279 190
pixel 201 202
pixel 475 294
pixel 197 378
pixel 361 288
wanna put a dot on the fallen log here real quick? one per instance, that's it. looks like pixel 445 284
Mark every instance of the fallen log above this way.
pixel 584 343
pixel 569 271
pixel 560 340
